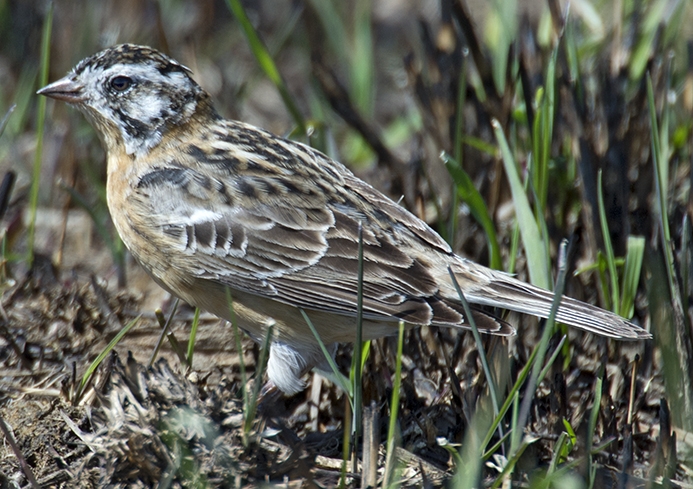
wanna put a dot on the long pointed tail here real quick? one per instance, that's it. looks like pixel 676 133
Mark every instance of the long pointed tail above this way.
pixel 481 285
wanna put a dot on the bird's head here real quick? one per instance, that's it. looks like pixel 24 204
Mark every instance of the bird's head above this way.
pixel 132 95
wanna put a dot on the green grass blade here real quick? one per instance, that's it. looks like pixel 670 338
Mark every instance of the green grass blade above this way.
pixel 540 219
pixel 23 98
pixel 104 353
pixel 542 134
pixel 362 58
pixel 479 345
pixel 394 410
pixel 543 346
pixel 166 333
pixel 36 173
pixel 333 26
pixel 471 196
pixel 501 27
pixel 480 145
pixel 6 118
pixel 635 250
pixel 346 446
pixel 251 407
pixel 570 40
pixel 469 463
pixel 545 371
pixel 496 446
pixel 458 152
pixel 509 402
pixel 358 346
pixel 534 248
pixel 515 389
pixel 239 348
pixel 266 62
pixel 660 161
pixel 664 136
pixel 685 262
pixel 191 340
pixel 614 295
pixel 514 248
pixel 558 451
pixel 642 51
pixel 343 383
pixel 512 462
pixel 594 415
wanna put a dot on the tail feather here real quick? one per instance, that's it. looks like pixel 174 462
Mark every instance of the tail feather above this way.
pixel 488 323
pixel 486 287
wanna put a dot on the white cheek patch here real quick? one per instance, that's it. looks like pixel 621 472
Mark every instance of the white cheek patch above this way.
pixel 176 78
pixel 149 108
pixel 152 106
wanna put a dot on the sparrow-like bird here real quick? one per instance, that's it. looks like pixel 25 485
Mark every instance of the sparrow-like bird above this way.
pixel 225 215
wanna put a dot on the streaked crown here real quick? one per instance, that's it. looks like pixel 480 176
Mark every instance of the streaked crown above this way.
pixel 132 94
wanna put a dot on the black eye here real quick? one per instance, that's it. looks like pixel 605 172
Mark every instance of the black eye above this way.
pixel 121 83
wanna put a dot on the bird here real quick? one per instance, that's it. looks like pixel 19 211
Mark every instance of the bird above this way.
pixel 258 229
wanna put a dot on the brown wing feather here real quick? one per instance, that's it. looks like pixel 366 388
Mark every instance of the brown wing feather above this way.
pixel 300 249
pixel 300 244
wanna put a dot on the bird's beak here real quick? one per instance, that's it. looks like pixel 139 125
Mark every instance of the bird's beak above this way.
pixel 65 89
